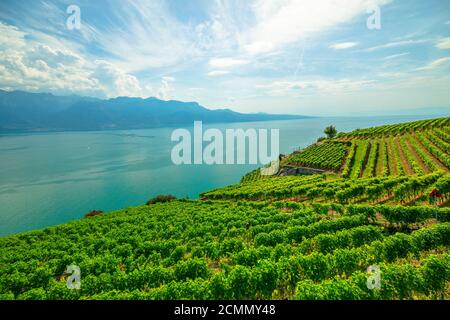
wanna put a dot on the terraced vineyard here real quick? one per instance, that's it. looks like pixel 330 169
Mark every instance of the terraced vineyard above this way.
pixel 419 147
pixel 317 188
pixel 328 155
pixel 281 237
pixel 396 129
pixel 242 250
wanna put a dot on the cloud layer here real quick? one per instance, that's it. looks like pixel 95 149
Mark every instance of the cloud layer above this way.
pixel 248 55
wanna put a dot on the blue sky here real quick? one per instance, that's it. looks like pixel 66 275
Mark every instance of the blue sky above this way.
pixel 314 57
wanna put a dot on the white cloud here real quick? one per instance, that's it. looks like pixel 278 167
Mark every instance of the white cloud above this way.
pixel 140 41
pixel 284 22
pixel 168 78
pixel 397 44
pixel 165 91
pixel 394 56
pixel 226 62
pixel 11 37
pixel 53 56
pixel 115 81
pixel 304 87
pixel 145 34
pixel 218 73
pixel 393 74
pixel 29 65
pixel 443 43
pixel 435 64
pixel 343 45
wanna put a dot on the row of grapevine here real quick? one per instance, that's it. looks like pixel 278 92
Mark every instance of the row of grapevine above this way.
pixel 327 155
pixel 402 188
pixel 319 267
pixel 369 171
pixel 369 190
pixel 396 129
pixel 426 158
pixel 209 250
pixel 393 214
pixel 399 214
pixel 252 176
pixel 398 282
pixel 443 134
pixel 360 158
pixel 434 150
pixel 397 156
pixel 264 188
pixel 410 157
pixel 349 161
pixel 383 160
pixel 393 164
pixel 446 129
pixel 414 187
pixel 442 185
pixel 441 144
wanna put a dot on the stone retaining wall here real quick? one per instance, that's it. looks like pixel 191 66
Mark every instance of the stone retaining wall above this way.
pixel 292 171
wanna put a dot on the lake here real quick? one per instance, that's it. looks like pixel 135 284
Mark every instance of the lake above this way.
pixel 51 178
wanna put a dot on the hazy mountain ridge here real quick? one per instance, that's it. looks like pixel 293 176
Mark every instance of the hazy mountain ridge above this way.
pixel 24 111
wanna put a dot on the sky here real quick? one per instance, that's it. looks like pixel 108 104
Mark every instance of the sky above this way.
pixel 312 57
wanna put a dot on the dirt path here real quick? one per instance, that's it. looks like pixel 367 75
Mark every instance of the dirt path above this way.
pixel 366 160
pixel 383 200
pixel 381 154
pixel 417 157
pixel 403 159
pixel 440 164
pixel 391 159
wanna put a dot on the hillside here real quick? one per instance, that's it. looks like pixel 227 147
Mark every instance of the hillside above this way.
pixel 280 237
pixel 413 148
pixel 23 111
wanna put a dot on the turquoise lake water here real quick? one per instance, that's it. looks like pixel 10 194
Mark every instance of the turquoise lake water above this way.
pixel 51 178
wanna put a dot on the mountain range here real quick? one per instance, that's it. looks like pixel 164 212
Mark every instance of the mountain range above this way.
pixel 24 112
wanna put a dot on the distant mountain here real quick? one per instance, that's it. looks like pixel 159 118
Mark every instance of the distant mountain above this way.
pixel 23 111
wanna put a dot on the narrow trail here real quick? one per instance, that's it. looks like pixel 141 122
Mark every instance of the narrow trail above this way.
pixel 391 159
pixel 366 160
pixel 416 156
pixel 404 160
pixel 381 154
pixel 440 164
pixel 384 200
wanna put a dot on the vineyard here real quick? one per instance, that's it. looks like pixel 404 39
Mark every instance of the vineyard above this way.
pixel 218 250
pixel 419 147
pixel 281 237
pixel 328 155
pixel 317 188
pixel 396 129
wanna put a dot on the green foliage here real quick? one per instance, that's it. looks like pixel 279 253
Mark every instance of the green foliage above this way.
pixel 362 147
pixel 213 250
pixel 330 131
pixel 324 155
pixel 313 188
pixel 252 176
pixel 369 171
pixel 293 237
pixel 161 199
pixel 399 281
pixel 401 128
pixel 350 160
